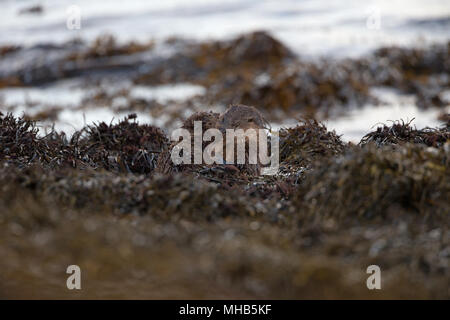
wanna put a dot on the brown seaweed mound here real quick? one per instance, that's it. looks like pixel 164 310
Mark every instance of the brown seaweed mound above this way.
pixel 123 147
pixel 247 51
pixel 400 132
pixel 307 142
pixel 126 146
pixel 220 63
pixel 18 139
pixel 379 182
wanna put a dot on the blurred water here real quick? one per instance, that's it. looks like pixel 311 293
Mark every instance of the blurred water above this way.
pixel 310 27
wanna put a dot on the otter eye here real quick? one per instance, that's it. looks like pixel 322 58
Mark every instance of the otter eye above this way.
pixel 250 120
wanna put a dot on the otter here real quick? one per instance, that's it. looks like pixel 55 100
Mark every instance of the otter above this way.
pixel 237 116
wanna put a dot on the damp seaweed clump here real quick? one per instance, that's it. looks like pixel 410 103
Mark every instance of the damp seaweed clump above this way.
pixel 123 147
pixel 307 142
pixel 22 146
pixel 18 140
pixel 401 132
pixel 379 182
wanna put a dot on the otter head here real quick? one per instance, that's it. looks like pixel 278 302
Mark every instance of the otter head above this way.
pixel 243 117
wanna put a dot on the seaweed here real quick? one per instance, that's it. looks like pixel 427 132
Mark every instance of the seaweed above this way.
pixel 379 182
pixel 139 229
pixel 401 132
pixel 106 46
pixel 256 69
pixel 126 146
pixel 18 139
pixel 175 236
pixel 307 142
pixel 419 71
pixel 123 147
pixel 253 69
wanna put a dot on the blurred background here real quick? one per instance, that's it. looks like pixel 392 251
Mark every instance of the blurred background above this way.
pixel 98 200
pixel 350 63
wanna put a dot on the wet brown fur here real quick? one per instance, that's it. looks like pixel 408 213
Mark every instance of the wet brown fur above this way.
pixel 235 117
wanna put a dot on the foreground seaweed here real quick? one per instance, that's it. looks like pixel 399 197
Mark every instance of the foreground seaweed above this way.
pixel 156 236
pixel 380 182
pixel 174 236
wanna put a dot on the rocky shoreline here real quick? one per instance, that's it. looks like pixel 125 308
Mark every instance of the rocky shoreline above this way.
pixel 253 69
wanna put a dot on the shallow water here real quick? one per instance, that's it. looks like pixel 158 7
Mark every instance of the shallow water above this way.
pixel 335 28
